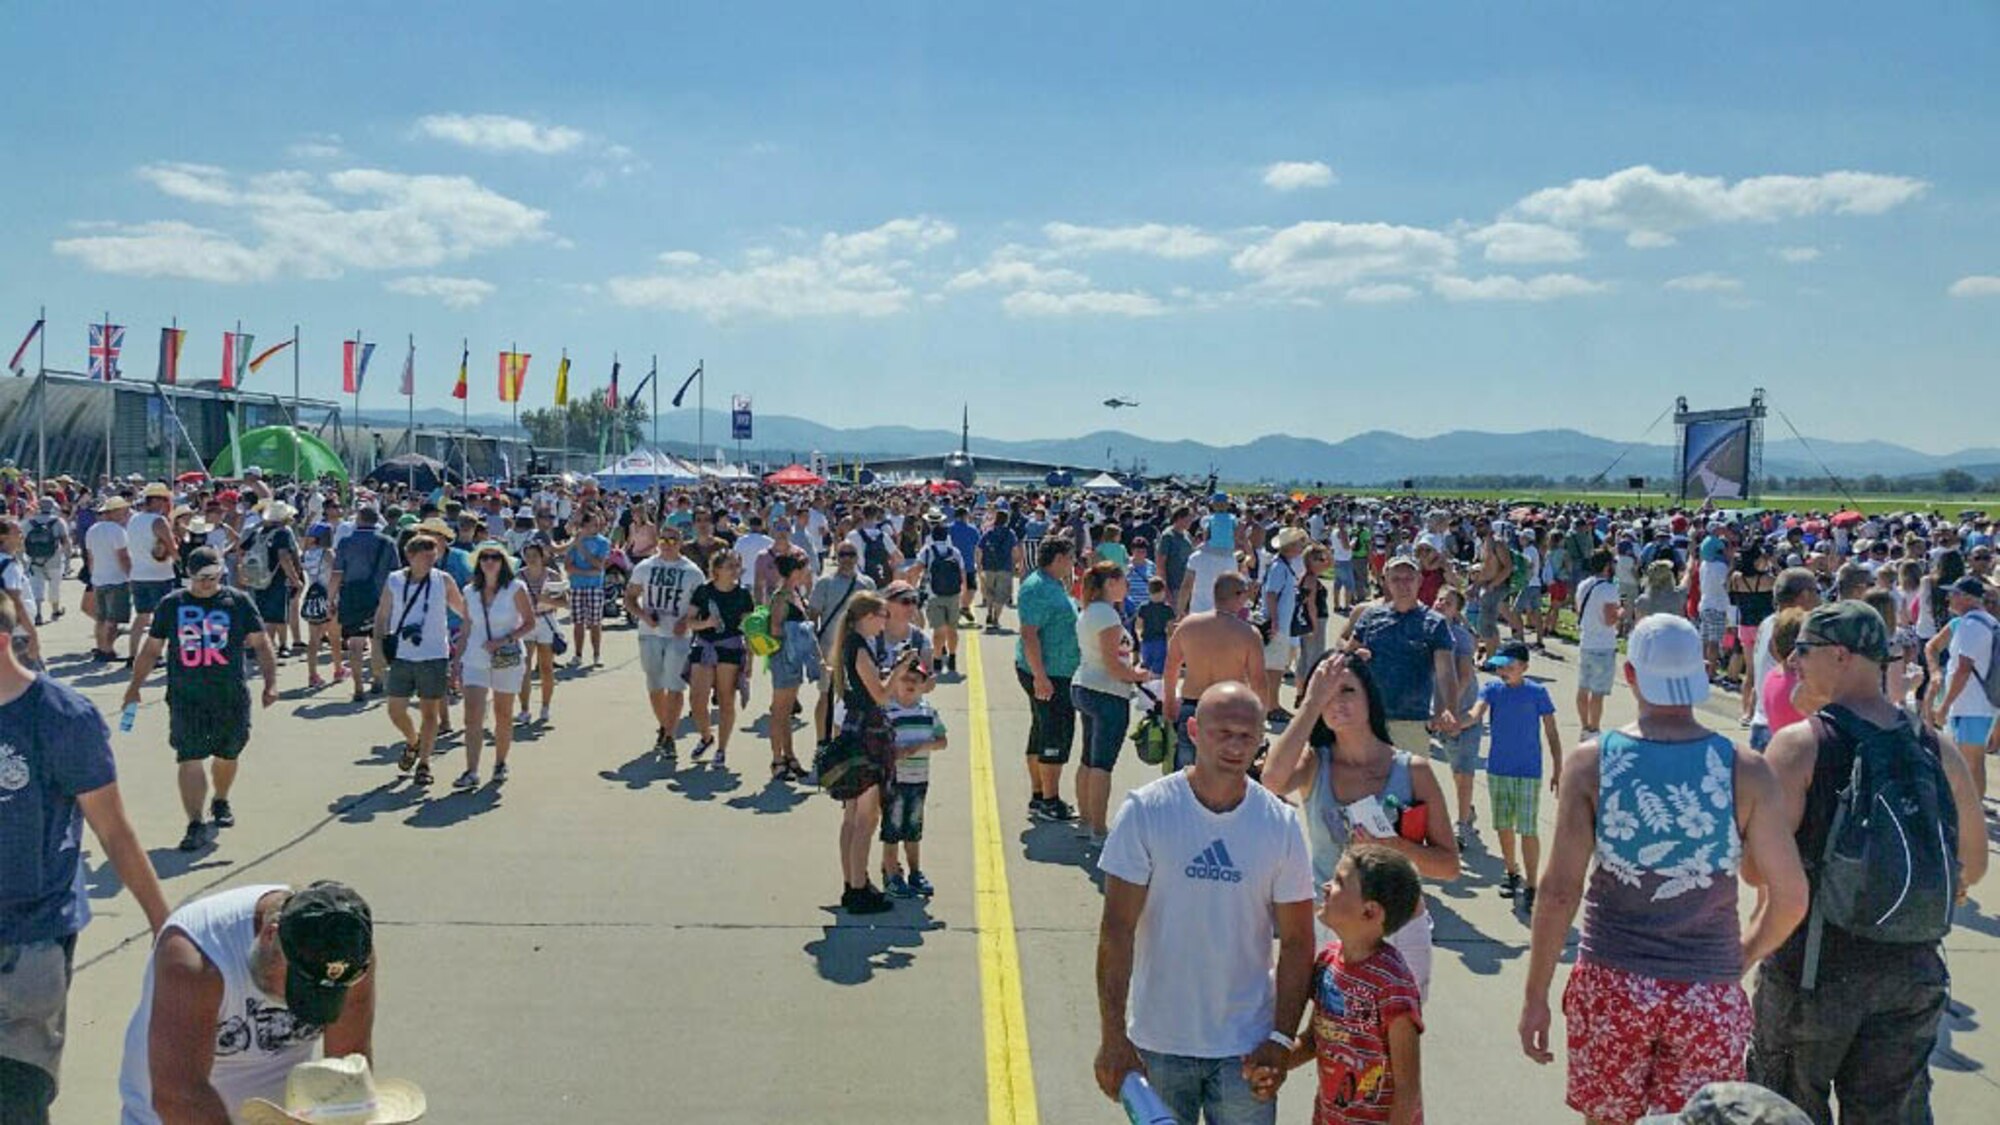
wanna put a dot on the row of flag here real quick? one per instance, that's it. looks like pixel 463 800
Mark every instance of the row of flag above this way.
pixel 240 360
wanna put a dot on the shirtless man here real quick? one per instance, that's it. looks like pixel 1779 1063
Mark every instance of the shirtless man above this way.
pixel 1209 648
pixel 1489 586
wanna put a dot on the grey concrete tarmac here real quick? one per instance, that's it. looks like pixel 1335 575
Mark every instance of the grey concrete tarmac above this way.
pixel 608 939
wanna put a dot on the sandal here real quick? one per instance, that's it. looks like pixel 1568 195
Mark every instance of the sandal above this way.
pixel 701 748
pixel 408 759
pixel 423 775
pixel 797 771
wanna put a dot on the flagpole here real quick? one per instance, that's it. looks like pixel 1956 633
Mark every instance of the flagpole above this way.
pixel 357 402
pixel 700 412
pixel 111 409
pixel 514 390
pixel 464 414
pixel 173 447
pixel 410 398
pixel 295 403
pixel 42 400
pixel 655 377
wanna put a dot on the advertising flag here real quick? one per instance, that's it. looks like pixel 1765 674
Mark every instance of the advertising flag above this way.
pixel 562 381
pixel 170 354
pixel 688 382
pixel 641 388
pixel 739 418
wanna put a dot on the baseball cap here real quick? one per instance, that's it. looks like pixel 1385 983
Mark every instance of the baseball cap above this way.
pixel 1513 652
pixel 1733 1103
pixel 1854 626
pixel 328 935
pixel 1970 586
pixel 1665 654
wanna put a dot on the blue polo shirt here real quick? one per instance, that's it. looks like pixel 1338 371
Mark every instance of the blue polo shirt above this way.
pixel 1045 604
pixel 54 747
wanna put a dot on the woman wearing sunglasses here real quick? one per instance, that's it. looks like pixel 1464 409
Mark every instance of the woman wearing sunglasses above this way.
pixel 499 617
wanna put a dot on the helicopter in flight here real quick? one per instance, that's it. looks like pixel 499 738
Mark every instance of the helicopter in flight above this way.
pixel 1115 403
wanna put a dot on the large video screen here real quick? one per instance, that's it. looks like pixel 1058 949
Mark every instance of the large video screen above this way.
pixel 1716 461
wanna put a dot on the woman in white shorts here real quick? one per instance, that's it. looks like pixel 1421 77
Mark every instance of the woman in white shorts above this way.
pixel 499 618
pixel 548 596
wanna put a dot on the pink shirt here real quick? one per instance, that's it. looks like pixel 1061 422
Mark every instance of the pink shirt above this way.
pixel 1778 685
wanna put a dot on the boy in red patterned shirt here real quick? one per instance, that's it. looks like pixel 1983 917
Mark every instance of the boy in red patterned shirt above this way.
pixel 1366 1019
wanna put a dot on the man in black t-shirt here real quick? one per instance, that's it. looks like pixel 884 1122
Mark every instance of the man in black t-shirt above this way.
pixel 208 706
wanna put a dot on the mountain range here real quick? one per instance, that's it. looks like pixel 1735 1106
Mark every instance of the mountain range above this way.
pixel 1371 458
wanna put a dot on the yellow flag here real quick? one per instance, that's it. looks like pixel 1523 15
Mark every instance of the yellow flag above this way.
pixel 562 382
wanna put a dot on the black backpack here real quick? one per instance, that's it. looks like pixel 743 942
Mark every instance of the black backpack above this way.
pixel 1889 872
pixel 875 556
pixel 947 577
pixel 41 540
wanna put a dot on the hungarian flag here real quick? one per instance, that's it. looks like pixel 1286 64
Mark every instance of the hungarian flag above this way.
pixel 235 358
pixel 562 381
pixel 513 375
pixel 464 358
pixel 171 340
pixel 267 353
pixel 611 396
pixel 354 357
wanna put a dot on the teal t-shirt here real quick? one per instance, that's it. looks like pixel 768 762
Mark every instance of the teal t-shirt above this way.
pixel 1045 604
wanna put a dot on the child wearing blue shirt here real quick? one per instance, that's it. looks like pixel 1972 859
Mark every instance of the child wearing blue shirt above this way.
pixel 1522 717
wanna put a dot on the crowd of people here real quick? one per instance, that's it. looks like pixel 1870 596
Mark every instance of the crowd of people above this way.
pixel 1264 903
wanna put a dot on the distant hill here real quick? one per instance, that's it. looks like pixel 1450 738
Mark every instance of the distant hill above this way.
pixel 1369 458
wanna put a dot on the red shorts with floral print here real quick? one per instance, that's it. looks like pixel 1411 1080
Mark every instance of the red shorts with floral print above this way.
pixel 1640 1045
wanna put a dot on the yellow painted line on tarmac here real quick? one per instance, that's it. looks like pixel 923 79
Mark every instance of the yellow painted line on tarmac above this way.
pixel 1010 1072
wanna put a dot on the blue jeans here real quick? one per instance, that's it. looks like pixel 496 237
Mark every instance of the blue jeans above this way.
pixel 1104 718
pixel 1211 1090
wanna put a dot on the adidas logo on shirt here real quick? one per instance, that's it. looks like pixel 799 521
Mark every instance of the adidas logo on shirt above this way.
pixel 1213 863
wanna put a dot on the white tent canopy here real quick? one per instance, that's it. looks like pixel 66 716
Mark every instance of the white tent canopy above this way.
pixel 1103 483
pixel 645 468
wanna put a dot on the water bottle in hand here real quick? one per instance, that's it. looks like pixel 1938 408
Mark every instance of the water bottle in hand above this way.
pixel 1142 1105
pixel 127 717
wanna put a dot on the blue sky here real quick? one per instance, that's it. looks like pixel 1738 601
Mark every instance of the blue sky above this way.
pixel 1283 219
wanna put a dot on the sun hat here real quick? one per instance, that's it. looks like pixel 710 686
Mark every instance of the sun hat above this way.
pixel 1290 537
pixel 199 526
pixel 1665 654
pixel 157 491
pixel 1852 625
pixel 340 1091
pixel 328 936
pixel 114 504
pixel 277 511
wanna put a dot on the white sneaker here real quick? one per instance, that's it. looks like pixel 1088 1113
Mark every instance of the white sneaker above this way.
pixel 545 716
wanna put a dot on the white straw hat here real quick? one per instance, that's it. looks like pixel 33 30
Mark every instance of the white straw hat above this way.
pixel 338 1092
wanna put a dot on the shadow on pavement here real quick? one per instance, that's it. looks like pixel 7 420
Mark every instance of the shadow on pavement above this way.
pixel 852 950
pixel 704 782
pixel 363 807
pixel 332 708
pixel 1958 1017
pixel 777 796
pixel 1060 844
pixel 168 863
pixel 641 772
pixel 1480 952
pixel 454 807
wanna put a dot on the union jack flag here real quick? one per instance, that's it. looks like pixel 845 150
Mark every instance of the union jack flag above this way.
pixel 105 342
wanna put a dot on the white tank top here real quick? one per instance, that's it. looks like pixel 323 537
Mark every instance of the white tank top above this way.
pixel 503 614
pixel 425 608
pixel 257 1042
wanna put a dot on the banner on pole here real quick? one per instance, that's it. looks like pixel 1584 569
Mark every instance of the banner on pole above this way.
pixel 739 417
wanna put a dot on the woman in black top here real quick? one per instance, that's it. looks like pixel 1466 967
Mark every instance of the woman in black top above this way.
pixel 720 605
pixel 1750 584
pixel 862 690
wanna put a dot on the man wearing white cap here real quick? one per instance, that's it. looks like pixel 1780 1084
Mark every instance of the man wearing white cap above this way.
pixel 1675 815
pixel 150 538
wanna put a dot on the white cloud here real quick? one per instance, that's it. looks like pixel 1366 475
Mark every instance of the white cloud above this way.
pixel 307 225
pixel 323 146
pixel 1007 269
pixel 1648 240
pixel 1798 254
pixel 1154 239
pixel 1291 175
pixel 1091 302
pixel 493 132
pixel 1705 283
pixel 849 274
pixel 1504 287
pixel 919 234
pixel 1975 286
pixel 1380 294
pixel 455 292
pixel 1646 201
pixel 1326 254
pixel 1526 242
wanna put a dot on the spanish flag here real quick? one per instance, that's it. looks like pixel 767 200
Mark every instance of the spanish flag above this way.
pixel 513 374
pixel 464 357
pixel 562 381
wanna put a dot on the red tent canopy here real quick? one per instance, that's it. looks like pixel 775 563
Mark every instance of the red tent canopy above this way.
pixel 795 476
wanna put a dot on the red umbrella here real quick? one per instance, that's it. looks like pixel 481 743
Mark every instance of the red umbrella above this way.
pixel 795 476
pixel 193 476
pixel 478 488
pixel 1848 518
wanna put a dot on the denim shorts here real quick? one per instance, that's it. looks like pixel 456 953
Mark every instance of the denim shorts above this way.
pixel 1211 1090
pixel 903 812
pixel 1105 719
pixel 664 661
pixel 1971 730
pixel 1595 669
pixel 1461 749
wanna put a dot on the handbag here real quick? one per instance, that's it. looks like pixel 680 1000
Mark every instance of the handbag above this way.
pixel 313 606
pixel 507 655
